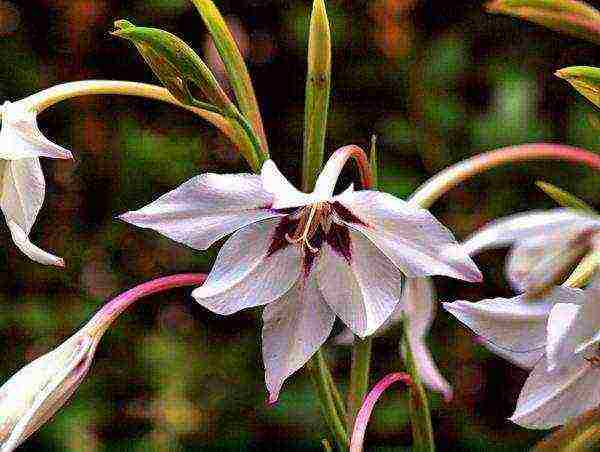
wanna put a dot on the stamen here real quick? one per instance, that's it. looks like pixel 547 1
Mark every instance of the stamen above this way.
pixel 307 227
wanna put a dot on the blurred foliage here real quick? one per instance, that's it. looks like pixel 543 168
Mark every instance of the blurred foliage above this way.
pixel 437 81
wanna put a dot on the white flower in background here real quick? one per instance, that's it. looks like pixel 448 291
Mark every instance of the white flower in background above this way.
pixel 558 336
pixel 22 185
pixel 309 257
pixel 545 245
pixel 35 393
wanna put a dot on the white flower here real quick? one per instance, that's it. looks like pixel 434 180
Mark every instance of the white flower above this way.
pixel 308 257
pixel 558 336
pixel 35 393
pixel 22 185
pixel 544 244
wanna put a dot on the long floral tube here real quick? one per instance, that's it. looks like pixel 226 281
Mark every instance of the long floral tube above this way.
pixel 444 181
pixel 364 414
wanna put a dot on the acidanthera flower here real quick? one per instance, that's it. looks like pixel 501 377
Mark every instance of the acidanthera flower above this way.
pixel 309 257
pixel 545 245
pixel 22 185
pixel 558 336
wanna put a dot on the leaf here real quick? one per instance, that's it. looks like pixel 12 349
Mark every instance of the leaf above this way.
pixel 585 270
pixel 564 198
pixel 568 16
pixel 235 67
pixel 585 79
pixel 176 65
pixel 318 87
pixel 580 434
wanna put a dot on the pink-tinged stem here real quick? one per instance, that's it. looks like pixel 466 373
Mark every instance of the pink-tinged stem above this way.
pixel 111 310
pixel 364 414
pixel 444 181
pixel 335 164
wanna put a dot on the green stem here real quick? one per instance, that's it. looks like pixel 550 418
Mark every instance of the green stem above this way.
pixel 259 155
pixel 321 380
pixel 359 378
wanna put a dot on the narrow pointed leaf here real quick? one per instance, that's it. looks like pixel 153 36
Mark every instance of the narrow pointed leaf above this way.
pixel 564 198
pixel 176 65
pixel 585 270
pixel 235 67
pixel 568 16
pixel 585 79
pixel 318 86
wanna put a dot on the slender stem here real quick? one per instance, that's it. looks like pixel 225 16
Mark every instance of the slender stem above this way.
pixel 328 177
pixel 337 396
pixel 359 377
pixel 444 181
pixel 111 310
pixel 318 371
pixel 363 416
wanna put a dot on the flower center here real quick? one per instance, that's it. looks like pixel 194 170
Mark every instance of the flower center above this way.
pixel 310 218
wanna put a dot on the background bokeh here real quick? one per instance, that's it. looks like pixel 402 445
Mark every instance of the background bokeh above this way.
pixel 436 80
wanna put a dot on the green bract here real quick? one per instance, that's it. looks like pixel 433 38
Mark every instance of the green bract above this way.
pixel 585 79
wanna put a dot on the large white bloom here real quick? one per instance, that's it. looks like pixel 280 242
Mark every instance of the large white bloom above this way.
pixel 22 186
pixel 545 244
pixel 308 257
pixel 558 336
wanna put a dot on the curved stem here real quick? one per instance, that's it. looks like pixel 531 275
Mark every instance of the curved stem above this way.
pixel 444 181
pixel 237 132
pixel 362 419
pixel 329 176
pixel 111 310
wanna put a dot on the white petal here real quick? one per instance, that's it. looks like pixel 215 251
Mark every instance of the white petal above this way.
pixel 294 328
pixel 542 261
pixel 505 231
pixel 206 208
pixel 23 190
pixel 21 138
pixel 29 249
pixel 245 274
pixel 514 328
pixel 411 237
pixel 363 288
pixel 419 304
pixel 284 194
pixel 549 399
pixel 569 326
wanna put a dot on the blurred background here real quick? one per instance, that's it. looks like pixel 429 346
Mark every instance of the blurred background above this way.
pixel 436 80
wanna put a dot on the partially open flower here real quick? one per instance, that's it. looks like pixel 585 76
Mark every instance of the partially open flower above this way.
pixel 313 256
pixel 545 245
pixel 22 185
pixel 35 393
pixel 557 336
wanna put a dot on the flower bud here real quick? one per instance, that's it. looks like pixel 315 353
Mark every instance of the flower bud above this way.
pixel 36 392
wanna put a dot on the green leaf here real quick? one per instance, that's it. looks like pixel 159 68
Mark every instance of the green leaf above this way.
pixel 176 65
pixel 318 87
pixel 585 270
pixel 235 67
pixel 420 417
pixel 564 198
pixel 568 16
pixel 585 79
pixel 580 434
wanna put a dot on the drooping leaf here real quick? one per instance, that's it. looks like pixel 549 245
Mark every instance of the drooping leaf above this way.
pixel 176 65
pixel 318 86
pixel 564 198
pixel 585 79
pixel 568 16
pixel 235 67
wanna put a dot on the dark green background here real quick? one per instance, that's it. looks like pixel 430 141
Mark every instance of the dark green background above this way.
pixel 438 83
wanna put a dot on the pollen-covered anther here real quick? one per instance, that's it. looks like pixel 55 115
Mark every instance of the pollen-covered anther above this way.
pixel 310 219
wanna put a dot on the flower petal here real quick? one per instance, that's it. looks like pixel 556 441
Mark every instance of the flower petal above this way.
pixel 206 208
pixel 23 191
pixel 549 398
pixel 294 328
pixel 411 237
pixel 246 274
pixel 34 253
pixel 362 288
pixel 20 137
pixel 285 195
pixel 514 328
pixel 505 231
pixel 418 300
